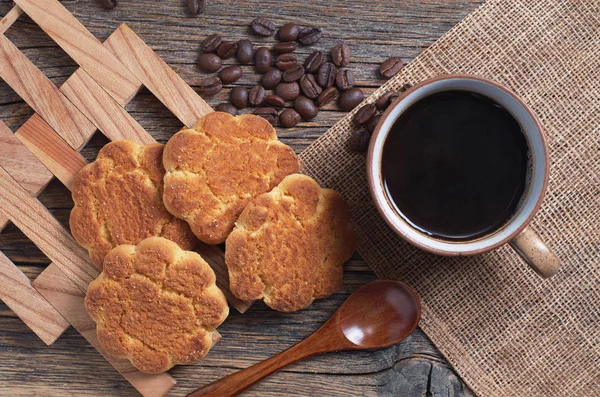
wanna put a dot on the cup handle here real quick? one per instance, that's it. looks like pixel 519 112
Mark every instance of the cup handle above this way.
pixel 536 253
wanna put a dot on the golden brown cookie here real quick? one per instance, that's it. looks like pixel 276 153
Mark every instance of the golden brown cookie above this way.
pixel 118 200
pixel 216 168
pixel 156 305
pixel 289 245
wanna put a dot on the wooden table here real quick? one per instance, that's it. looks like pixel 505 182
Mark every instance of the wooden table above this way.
pixel 374 30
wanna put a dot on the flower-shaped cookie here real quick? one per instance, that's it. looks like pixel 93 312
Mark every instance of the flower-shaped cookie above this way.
pixel 118 200
pixel 156 305
pixel 289 245
pixel 216 168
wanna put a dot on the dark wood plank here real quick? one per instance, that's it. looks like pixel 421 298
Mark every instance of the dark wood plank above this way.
pixel 374 30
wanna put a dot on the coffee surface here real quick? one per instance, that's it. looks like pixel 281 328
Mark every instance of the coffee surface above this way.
pixel 455 165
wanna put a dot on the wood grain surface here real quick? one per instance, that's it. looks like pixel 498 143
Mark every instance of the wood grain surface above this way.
pixel 51 150
pixel 35 311
pixel 21 163
pixel 83 47
pixel 374 30
pixel 41 94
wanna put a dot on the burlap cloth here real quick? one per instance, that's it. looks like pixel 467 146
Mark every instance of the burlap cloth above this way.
pixel 506 331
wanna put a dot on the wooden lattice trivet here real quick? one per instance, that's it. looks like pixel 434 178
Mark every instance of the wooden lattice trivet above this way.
pixel 48 144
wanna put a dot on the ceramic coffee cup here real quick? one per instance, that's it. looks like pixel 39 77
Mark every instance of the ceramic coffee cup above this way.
pixel 515 231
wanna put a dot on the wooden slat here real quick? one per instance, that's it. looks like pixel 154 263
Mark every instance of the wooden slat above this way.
pixel 36 222
pixel 157 76
pixel 10 18
pixel 69 300
pixel 51 150
pixel 21 164
pixel 83 47
pixel 28 304
pixel 17 292
pixel 43 96
pixel 213 255
pixel 3 221
pixel 106 114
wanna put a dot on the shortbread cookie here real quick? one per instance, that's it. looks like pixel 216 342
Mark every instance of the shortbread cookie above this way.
pixel 289 245
pixel 118 200
pixel 156 305
pixel 214 169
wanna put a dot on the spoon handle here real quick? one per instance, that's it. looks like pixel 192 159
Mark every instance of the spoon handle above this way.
pixel 234 384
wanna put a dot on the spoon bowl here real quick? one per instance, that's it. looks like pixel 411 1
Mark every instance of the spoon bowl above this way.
pixel 378 314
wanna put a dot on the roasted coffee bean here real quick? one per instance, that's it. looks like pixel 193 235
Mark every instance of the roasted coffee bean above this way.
pixel 110 4
pixel 390 67
pixel 384 100
pixel 209 63
pixel 344 79
pixel 326 75
pixel 245 51
pixel 359 141
pixel 328 95
pixel 309 86
pixel 196 7
pixel 256 95
pixel 227 49
pixel 373 123
pixel 288 91
pixel 309 36
pixel 269 114
pixel 288 32
pixel 340 54
pixel 293 73
pixel 393 98
pixel 227 108
pixel 230 74
pixel 275 101
pixel 284 48
pixel 270 79
pixel 306 107
pixel 364 114
pixel 289 118
pixel 350 98
pixel 262 59
pixel 239 97
pixel 313 62
pixel 405 87
pixel 262 27
pixel 211 86
pixel 286 61
pixel 211 43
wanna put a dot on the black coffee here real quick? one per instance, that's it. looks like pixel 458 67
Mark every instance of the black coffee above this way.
pixel 455 165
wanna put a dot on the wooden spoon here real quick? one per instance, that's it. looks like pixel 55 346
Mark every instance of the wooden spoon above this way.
pixel 378 314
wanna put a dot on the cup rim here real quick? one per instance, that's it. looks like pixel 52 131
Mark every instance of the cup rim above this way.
pixel 459 251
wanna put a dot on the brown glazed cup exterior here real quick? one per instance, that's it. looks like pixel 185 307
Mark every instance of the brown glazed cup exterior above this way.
pixel 516 231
